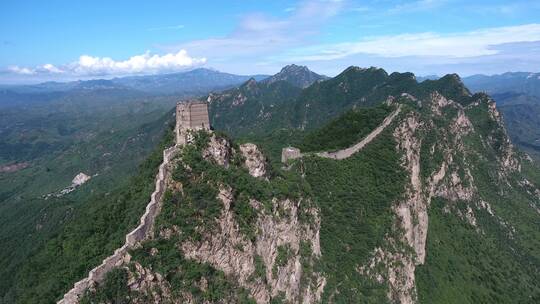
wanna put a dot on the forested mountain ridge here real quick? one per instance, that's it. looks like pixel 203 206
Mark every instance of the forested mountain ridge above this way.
pixel 518 97
pixel 438 208
pixel 259 107
pixel 51 132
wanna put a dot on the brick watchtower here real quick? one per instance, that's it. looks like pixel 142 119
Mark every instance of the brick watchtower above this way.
pixel 190 115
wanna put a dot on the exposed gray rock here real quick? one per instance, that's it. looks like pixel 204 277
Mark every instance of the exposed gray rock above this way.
pixel 229 250
pixel 218 150
pixel 80 179
pixel 255 161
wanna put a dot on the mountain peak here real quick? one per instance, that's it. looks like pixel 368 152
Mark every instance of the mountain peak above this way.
pixel 352 70
pixel 250 84
pixel 291 68
pixel 297 75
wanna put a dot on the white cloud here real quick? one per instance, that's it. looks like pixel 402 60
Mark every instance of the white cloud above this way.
pixel 89 65
pixel 18 70
pixel 51 68
pixel 135 64
pixel 255 37
pixel 457 45
pixel 258 34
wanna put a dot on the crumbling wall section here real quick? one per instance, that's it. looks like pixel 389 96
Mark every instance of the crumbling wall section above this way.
pixel 140 233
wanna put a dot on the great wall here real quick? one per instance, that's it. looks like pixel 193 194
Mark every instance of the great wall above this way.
pixel 190 115
pixel 290 153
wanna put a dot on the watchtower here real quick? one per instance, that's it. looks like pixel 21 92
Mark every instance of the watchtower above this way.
pixel 190 115
pixel 290 153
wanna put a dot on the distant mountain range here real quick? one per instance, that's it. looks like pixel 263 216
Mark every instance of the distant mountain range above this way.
pixel 203 80
pixel 194 82
pixel 523 83
pixel 518 97
pixel 517 94
pixel 518 82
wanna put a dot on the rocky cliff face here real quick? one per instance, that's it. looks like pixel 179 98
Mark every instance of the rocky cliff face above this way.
pixel 232 230
pixel 224 214
pixel 274 227
pixel 448 176
pixel 229 250
pixel 255 161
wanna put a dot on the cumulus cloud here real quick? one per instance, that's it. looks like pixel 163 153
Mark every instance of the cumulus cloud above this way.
pixel 255 37
pixel 89 65
pixel 18 70
pixel 51 69
pixel 457 45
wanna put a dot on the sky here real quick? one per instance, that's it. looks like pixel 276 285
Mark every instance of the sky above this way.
pixel 67 40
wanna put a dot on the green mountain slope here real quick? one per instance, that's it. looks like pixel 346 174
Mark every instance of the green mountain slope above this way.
pixel 86 237
pixel 437 208
pixel 252 108
pixel 256 108
pixel 106 138
pixel 518 98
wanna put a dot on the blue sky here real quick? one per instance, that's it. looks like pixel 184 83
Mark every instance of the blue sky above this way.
pixel 63 40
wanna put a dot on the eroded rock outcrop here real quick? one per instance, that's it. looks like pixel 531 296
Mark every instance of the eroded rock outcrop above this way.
pixel 219 150
pixel 270 253
pixel 451 179
pixel 255 161
pixel 150 285
pixel 229 250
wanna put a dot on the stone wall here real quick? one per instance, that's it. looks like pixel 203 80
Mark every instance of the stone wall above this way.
pixel 294 153
pixel 140 233
pixel 190 115
pixel 348 152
